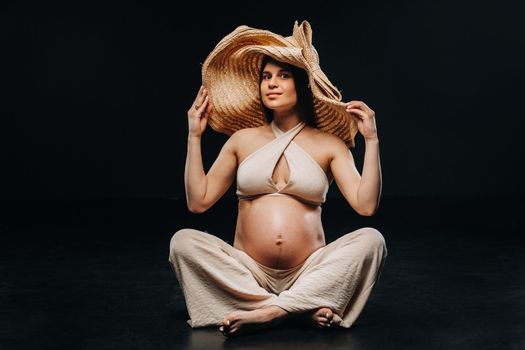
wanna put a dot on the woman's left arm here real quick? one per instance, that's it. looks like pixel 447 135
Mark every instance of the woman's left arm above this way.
pixel 363 192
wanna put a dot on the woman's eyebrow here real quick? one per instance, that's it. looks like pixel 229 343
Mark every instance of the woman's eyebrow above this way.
pixel 280 71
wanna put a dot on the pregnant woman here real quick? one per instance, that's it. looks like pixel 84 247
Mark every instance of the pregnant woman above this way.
pixel 289 139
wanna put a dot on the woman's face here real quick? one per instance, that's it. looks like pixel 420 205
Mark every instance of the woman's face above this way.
pixel 278 88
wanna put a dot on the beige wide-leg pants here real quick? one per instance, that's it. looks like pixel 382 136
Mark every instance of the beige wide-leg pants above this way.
pixel 217 278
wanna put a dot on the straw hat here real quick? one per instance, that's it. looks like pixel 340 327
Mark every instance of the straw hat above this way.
pixel 230 73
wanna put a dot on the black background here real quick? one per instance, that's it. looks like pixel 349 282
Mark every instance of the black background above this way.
pixel 95 94
pixel 93 131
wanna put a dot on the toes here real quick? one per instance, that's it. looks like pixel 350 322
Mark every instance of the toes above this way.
pixel 326 318
pixel 224 329
pixel 328 314
pixel 233 331
pixel 325 311
pixel 324 325
pixel 225 325
pixel 230 324
pixel 227 330
pixel 322 320
pixel 324 314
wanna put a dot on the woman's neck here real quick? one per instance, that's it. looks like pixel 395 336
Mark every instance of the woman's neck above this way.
pixel 287 120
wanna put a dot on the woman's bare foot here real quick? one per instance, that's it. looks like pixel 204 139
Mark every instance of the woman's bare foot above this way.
pixel 324 318
pixel 239 322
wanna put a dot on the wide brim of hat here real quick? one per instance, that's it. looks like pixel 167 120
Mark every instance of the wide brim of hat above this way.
pixel 231 71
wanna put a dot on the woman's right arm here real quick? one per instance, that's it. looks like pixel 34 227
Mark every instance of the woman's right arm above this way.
pixel 203 190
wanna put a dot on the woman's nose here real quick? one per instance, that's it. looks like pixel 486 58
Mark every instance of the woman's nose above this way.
pixel 272 83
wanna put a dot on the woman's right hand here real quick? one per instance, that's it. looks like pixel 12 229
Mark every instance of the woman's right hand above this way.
pixel 198 113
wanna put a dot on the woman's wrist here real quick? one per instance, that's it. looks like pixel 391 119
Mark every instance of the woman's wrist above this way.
pixel 372 140
pixel 192 137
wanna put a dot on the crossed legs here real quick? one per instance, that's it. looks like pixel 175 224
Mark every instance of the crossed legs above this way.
pixel 222 287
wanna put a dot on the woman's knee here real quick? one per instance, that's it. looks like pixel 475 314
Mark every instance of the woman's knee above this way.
pixel 373 238
pixel 183 242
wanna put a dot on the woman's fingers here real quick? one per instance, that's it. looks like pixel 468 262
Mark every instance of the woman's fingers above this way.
pixel 357 113
pixel 208 109
pixel 203 106
pixel 201 95
pixel 197 115
pixel 201 90
pixel 203 114
pixel 357 104
pixel 200 108
pixel 361 106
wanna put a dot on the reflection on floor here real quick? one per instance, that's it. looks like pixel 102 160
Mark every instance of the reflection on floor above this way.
pixel 95 275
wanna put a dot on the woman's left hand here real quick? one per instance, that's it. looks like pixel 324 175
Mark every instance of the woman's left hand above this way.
pixel 364 117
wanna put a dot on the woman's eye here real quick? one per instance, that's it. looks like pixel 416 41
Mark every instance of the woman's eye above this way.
pixel 282 75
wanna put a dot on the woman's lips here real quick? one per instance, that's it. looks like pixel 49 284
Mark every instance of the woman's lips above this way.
pixel 274 94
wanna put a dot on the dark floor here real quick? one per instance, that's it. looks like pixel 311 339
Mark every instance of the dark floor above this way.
pixel 95 275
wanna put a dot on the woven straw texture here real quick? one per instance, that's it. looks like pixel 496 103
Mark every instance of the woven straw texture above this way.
pixel 230 73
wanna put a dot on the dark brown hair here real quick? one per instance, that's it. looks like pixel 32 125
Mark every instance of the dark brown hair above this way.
pixel 305 103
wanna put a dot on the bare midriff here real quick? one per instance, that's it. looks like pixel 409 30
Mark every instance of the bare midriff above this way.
pixel 278 231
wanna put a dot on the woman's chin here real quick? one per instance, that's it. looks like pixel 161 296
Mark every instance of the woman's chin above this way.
pixel 278 107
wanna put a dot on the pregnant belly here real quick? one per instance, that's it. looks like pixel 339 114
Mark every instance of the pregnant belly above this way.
pixel 278 231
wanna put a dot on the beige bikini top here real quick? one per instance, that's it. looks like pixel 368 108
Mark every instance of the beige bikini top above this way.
pixel 308 181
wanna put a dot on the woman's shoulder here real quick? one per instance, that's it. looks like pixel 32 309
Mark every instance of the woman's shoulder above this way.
pixel 325 138
pixel 249 133
pixel 245 136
